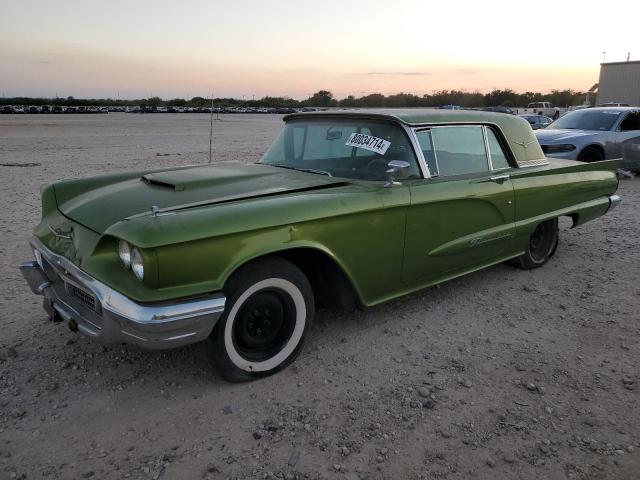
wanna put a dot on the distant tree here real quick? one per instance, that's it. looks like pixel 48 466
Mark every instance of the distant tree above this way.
pixel 151 102
pixel 498 97
pixel 350 101
pixel 198 102
pixel 565 98
pixel 177 102
pixel 371 101
pixel 322 98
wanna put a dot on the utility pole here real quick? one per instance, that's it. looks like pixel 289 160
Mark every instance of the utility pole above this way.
pixel 211 129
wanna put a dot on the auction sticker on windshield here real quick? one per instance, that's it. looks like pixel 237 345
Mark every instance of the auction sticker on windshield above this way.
pixel 374 144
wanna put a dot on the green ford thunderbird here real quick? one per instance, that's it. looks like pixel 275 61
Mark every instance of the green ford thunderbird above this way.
pixel 350 208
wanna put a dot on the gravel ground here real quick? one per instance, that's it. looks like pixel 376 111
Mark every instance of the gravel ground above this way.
pixel 500 374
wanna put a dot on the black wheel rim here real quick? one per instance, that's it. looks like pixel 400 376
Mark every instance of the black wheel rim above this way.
pixel 540 242
pixel 264 324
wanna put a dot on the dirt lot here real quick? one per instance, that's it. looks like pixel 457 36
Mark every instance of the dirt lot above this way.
pixel 500 374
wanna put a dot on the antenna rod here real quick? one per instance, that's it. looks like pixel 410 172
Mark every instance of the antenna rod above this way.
pixel 211 128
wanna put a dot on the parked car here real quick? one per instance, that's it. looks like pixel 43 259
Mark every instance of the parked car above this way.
pixel 613 104
pixel 353 208
pixel 592 134
pixel 540 108
pixel 6 109
pixel 499 109
pixel 18 109
pixel 537 121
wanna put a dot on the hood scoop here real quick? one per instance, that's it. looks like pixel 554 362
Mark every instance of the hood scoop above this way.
pixel 158 180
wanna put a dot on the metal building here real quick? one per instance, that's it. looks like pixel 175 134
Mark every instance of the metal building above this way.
pixel 619 82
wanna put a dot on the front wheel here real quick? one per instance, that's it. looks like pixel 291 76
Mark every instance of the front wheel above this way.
pixel 541 247
pixel 590 154
pixel 269 310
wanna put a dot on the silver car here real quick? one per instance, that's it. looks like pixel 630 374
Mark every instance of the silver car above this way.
pixel 595 134
pixel 537 121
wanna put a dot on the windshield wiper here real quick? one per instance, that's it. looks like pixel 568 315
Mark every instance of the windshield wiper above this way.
pixel 309 170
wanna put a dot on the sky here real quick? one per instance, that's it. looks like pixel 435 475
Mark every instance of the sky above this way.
pixel 247 48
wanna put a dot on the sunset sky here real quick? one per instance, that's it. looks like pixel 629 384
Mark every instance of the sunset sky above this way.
pixel 242 48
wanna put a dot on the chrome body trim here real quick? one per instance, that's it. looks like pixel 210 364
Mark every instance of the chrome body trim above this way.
pixel 486 147
pixel 614 201
pixel 115 318
pixel 411 133
pixel 499 178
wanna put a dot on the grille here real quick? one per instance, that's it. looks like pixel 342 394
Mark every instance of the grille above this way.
pixel 85 297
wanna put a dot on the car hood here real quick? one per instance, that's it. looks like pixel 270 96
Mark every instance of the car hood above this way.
pixel 98 205
pixel 546 136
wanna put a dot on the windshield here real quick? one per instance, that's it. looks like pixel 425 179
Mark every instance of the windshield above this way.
pixel 349 148
pixel 587 119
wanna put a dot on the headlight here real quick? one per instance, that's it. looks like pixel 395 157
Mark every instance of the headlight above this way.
pixel 136 264
pixel 560 148
pixel 124 252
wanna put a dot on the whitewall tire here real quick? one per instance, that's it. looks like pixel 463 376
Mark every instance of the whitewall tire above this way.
pixel 269 310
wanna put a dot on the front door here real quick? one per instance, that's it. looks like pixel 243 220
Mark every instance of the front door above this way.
pixel 463 217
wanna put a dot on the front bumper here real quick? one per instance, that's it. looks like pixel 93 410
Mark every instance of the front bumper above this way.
pixel 570 155
pixel 100 312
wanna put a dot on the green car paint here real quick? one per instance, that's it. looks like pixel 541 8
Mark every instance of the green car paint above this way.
pixel 210 220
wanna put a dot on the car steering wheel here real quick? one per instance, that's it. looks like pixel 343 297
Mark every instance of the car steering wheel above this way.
pixel 376 169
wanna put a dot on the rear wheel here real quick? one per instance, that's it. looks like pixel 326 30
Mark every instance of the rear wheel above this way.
pixel 590 154
pixel 541 247
pixel 270 308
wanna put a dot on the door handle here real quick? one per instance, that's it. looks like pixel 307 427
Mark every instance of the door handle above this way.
pixel 499 178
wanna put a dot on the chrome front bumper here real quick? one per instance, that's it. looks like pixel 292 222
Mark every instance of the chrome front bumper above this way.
pixel 100 312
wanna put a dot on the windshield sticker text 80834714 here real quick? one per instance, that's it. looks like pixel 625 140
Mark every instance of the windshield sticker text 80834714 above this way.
pixel 374 144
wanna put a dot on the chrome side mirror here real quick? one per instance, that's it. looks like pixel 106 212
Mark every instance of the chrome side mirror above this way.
pixel 397 169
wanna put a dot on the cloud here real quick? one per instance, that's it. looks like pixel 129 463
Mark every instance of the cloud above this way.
pixel 408 74
pixel 464 72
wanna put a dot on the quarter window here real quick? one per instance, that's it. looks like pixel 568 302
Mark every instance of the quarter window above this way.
pixel 498 157
pixel 459 150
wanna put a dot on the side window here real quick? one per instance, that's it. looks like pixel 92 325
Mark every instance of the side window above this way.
pixel 630 122
pixel 459 150
pixel 498 157
pixel 426 145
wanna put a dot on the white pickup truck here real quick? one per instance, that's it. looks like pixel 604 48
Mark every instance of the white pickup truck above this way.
pixel 540 108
